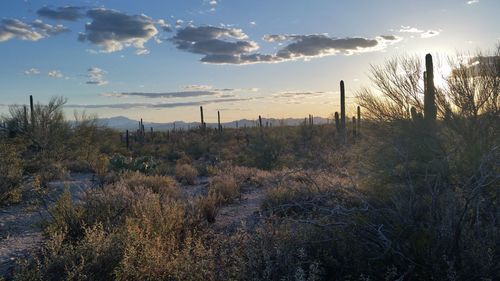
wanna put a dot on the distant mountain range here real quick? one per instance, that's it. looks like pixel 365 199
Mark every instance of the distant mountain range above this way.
pixel 124 123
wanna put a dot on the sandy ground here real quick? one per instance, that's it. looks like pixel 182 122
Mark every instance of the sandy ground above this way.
pixel 21 224
pixel 244 212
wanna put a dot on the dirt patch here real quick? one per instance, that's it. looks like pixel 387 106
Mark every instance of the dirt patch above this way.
pixel 245 212
pixel 196 190
pixel 20 225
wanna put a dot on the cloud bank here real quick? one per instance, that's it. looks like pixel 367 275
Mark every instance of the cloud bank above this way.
pixel 155 105
pixel 182 94
pixel 69 13
pixel 223 45
pixel 95 76
pixel 113 30
pixel 34 31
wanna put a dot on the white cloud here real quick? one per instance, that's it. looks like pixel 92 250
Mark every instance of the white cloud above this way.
pixel 430 33
pixel 32 71
pixel 14 28
pixel 164 25
pixel 55 74
pixel 95 76
pixel 197 87
pixel 178 23
pixel 423 33
pixel 113 30
pixel 224 45
pixel 472 2
pixel 409 29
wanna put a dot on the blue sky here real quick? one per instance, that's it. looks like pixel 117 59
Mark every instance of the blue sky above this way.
pixel 160 60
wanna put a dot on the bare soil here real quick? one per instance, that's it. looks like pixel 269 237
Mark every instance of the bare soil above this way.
pixel 21 224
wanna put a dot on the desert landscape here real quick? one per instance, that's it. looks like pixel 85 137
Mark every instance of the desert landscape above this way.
pixel 396 179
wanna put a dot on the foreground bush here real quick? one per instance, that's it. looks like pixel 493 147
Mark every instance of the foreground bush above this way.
pixel 11 168
pixel 186 173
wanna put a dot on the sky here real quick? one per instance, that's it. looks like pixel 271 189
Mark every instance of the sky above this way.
pixel 160 60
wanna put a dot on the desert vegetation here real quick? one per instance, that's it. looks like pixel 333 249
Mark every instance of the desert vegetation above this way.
pixel 404 187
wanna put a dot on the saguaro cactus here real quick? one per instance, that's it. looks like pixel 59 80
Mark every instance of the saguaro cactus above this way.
pixel 337 121
pixel 260 122
pixel 342 106
pixel 127 139
pixel 202 119
pixel 218 122
pixel 430 109
pixel 32 113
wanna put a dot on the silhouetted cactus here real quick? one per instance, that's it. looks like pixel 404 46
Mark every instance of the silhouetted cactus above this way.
pixel 342 107
pixel 337 122
pixel 430 109
pixel 127 139
pixel 218 121
pixel 202 126
pixel 32 113
pixel 260 121
pixel 25 118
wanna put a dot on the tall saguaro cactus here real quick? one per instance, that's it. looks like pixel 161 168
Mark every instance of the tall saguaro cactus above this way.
pixel 218 122
pixel 202 119
pixel 430 109
pixel 32 113
pixel 342 106
pixel 127 139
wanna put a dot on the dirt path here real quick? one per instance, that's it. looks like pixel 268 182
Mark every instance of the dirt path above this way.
pixel 20 225
pixel 243 212
pixel 230 217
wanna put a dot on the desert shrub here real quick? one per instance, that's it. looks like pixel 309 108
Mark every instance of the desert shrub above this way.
pixel 265 152
pixel 163 185
pixel 94 257
pixel 67 218
pixel 11 169
pixel 208 206
pixel 186 173
pixel 242 175
pixel 122 231
pixel 225 188
pixel 429 183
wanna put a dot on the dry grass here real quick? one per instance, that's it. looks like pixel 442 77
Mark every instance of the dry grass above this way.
pixel 186 173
